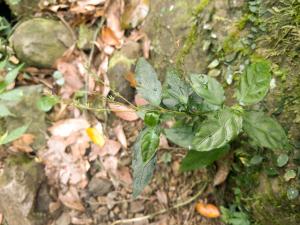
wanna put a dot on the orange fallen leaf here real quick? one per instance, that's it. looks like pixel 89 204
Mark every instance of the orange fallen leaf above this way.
pixel 23 143
pixel 131 78
pixel 123 112
pixel 96 136
pixel 109 37
pixel 208 210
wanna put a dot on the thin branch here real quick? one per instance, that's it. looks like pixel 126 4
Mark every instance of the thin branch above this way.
pixel 150 216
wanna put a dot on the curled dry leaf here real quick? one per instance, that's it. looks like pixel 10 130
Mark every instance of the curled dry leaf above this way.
pixel 123 112
pixel 119 131
pixel 162 197
pixel 109 37
pixel 223 170
pixel 72 200
pixel 208 210
pixel 66 127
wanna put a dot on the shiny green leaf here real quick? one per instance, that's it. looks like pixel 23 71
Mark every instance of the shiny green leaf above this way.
pixel 196 160
pixel 12 74
pixel 142 173
pixel 217 130
pixel 254 83
pixel 148 85
pixel 265 131
pixel 14 135
pixel 208 88
pixel 151 119
pixel 176 90
pixel 46 103
pixel 181 136
pixel 4 111
pixel 149 144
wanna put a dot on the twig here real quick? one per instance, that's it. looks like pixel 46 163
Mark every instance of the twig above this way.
pixel 96 33
pixel 164 210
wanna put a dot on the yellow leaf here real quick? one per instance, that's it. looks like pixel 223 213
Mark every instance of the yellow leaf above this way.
pixel 96 136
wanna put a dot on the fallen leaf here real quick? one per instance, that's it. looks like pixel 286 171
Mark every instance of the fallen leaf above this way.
pixel 1 218
pixel 162 197
pixel 223 170
pixel 123 112
pixel 140 101
pixel 109 37
pixel 163 142
pixel 96 136
pixel 119 131
pixel 130 77
pixel 72 200
pixel 23 143
pixel 111 147
pixel 110 163
pixel 81 221
pixel 208 210
pixel 124 175
pixel 66 127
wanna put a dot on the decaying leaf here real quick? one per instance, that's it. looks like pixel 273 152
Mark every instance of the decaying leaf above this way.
pixel 208 210
pixel 72 200
pixel 223 170
pixel 119 131
pixel 109 37
pixel 23 143
pixel 123 112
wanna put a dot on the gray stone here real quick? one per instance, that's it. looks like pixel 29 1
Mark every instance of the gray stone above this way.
pixel 40 42
pixel 20 190
pixel 23 7
pixel 120 66
pixel 99 186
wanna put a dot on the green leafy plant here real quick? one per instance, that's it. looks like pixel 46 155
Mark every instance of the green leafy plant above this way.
pixel 9 96
pixel 232 216
pixel 204 125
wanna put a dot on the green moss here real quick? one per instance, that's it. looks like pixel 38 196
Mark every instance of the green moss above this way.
pixel 192 35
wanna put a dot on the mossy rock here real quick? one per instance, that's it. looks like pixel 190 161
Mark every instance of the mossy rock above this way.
pixel 23 7
pixel 40 42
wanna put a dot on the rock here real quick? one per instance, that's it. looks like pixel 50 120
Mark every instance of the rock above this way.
pixel 23 7
pixel 120 66
pixel 40 42
pixel 26 112
pixel 99 186
pixel 85 37
pixel 20 192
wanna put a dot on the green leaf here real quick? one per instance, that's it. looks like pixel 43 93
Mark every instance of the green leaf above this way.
pixel 148 85
pixel 46 103
pixel 142 173
pixel 208 88
pixel 217 130
pixel 256 160
pixel 265 131
pixel 13 95
pixel 292 193
pixel 176 90
pixel 4 111
pixel 14 135
pixel 196 160
pixel 151 119
pixel 12 75
pixel 254 83
pixel 282 160
pixel 181 136
pixel 149 144
pixel 289 175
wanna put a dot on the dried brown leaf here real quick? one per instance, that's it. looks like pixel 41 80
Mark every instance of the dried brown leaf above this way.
pixel 123 112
